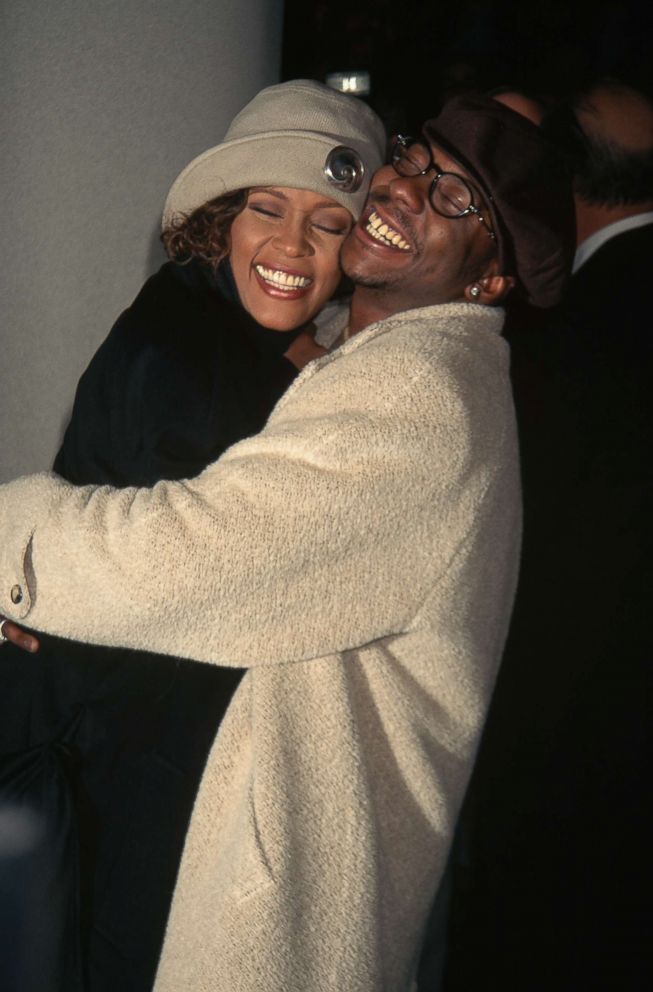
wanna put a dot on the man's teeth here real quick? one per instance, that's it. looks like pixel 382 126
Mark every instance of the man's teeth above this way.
pixel 282 280
pixel 383 233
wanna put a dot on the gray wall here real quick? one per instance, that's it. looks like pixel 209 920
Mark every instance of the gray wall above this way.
pixel 103 103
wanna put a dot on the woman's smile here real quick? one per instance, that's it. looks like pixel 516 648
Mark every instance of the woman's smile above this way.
pixel 290 284
pixel 285 249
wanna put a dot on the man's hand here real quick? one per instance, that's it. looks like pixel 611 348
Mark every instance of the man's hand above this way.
pixel 303 350
pixel 10 631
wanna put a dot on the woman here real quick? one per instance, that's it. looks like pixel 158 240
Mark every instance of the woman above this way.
pixel 213 336
pixel 253 228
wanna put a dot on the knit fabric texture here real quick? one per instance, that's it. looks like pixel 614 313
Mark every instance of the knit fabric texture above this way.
pixel 359 556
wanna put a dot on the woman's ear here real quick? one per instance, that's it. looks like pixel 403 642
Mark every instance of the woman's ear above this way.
pixel 489 289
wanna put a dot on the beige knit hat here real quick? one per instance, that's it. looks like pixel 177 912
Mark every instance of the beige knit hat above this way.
pixel 300 135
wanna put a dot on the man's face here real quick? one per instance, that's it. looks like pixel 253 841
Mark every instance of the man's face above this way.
pixel 403 248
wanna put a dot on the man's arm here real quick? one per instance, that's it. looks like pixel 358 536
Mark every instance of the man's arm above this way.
pixel 318 535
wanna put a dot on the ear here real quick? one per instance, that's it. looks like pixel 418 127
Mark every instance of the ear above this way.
pixel 489 289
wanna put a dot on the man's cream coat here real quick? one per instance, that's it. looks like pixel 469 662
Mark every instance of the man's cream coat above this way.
pixel 359 557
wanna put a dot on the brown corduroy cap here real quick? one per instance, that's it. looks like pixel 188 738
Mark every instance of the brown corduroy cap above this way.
pixel 525 184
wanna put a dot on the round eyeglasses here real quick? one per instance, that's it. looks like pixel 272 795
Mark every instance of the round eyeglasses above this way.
pixel 450 195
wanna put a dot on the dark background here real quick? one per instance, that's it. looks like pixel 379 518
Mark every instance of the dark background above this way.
pixel 419 53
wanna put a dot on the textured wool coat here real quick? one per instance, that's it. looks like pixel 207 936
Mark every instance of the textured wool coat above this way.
pixel 359 557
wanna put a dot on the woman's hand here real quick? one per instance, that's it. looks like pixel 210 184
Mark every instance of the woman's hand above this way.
pixel 303 350
pixel 10 631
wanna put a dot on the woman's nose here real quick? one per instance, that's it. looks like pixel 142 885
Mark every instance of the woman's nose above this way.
pixel 292 239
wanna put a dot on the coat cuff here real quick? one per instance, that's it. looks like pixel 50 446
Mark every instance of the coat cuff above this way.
pixel 18 517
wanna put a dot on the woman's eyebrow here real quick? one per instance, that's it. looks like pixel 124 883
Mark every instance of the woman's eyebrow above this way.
pixel 323 204
pixel 268 189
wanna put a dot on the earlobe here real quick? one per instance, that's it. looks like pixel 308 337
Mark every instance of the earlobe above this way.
pixel 489 290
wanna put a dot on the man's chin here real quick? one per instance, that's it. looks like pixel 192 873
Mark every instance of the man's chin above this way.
pixel 354 268
pixel 369 282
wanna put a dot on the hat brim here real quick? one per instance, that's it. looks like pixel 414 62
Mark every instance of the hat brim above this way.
pixel 291 158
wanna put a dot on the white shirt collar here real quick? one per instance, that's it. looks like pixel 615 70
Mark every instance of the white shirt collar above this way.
pixel 594 242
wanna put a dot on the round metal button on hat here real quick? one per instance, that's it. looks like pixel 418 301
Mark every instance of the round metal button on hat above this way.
pixel 16 594
pixel 344 168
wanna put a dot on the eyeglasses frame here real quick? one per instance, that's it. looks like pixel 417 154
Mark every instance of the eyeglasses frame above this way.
pixel 404 140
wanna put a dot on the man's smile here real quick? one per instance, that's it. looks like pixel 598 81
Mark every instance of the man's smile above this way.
pixel 383 233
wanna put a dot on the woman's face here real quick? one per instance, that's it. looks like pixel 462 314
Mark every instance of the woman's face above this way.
pixel 285 247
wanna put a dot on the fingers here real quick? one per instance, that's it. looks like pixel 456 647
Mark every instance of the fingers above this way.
pixel 11 632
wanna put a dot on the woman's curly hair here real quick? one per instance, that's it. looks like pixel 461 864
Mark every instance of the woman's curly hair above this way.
pixel 205 233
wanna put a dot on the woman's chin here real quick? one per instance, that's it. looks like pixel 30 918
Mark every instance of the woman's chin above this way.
pixel 283 315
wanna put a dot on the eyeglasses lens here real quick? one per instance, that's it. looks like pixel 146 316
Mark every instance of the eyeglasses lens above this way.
pixel 451 196
pixel 411 158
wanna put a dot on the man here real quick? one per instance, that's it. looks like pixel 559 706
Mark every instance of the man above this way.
pixel 358 557
pixel 560 839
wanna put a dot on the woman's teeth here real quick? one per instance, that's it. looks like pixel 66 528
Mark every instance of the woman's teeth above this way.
pixel 282 280
pixel 385 234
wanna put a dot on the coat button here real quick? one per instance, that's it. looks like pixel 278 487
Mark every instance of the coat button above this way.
pixel 16 594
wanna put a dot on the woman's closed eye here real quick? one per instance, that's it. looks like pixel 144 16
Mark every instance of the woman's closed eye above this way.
pixel 336 223
pixel 339 229
pixel 265 210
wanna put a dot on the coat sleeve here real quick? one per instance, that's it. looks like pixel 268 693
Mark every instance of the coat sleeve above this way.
pixel 320 534
pixel 142 403
pixel 106 440
pixel 175 383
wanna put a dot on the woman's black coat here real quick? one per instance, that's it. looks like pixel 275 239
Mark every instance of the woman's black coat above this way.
pixel 109 745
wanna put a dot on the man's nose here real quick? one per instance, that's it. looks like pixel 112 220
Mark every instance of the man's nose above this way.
pixel 292 238
pixel 411 192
